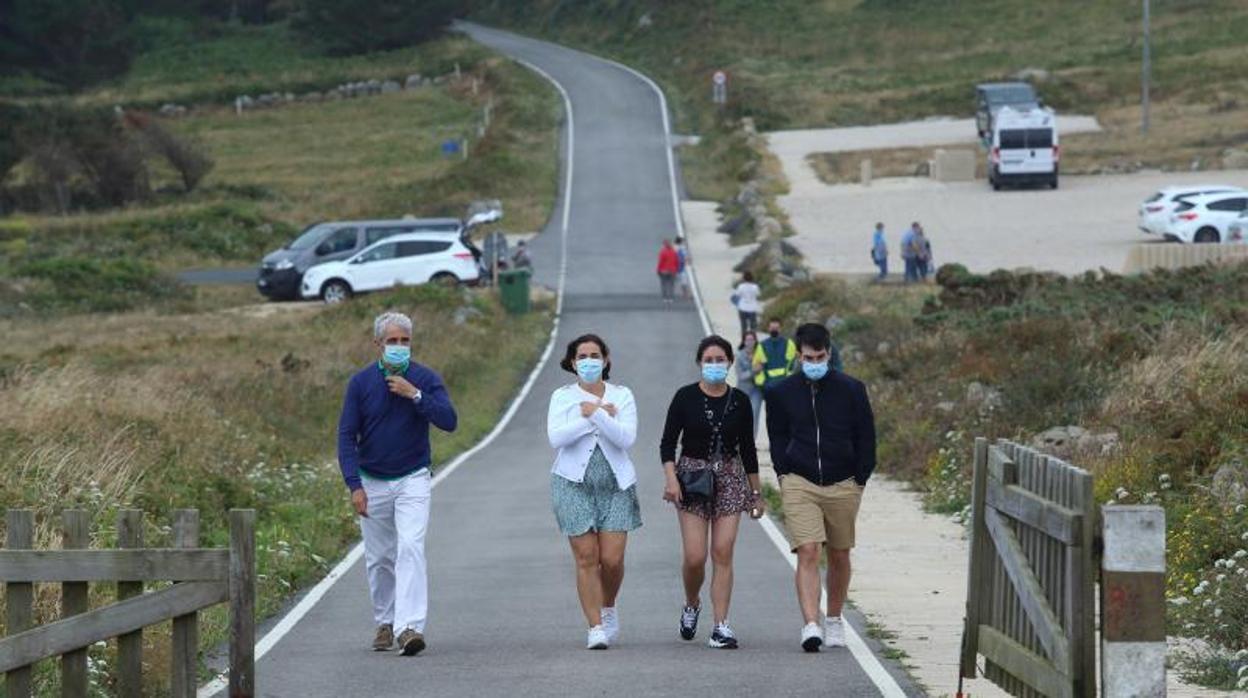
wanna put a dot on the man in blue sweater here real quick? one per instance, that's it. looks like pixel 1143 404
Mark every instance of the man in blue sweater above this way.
pixel 384 453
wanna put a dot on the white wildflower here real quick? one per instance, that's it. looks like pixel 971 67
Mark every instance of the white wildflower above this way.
pixel 1240 554
pixel 1121 493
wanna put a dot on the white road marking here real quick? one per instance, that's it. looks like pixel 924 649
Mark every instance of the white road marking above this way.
pixel 309 601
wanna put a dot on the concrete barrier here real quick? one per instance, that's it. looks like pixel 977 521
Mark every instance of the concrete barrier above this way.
pixel 1142 258
pixel 953 165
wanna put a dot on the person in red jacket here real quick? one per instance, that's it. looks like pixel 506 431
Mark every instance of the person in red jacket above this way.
pixel 669 267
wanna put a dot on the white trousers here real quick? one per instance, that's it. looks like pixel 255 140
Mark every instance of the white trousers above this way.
pixel 394 549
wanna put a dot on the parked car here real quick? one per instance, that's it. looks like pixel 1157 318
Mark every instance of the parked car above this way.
pixel 1206 218
pixel 282 270
pixel 406 259
pixel 1156 210
pixel 1024 147
pixel 1237 232
pixel 990 97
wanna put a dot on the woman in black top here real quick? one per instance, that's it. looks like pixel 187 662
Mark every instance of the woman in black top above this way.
pixel 714 424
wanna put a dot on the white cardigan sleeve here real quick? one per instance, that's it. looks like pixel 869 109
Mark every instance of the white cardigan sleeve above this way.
pixel 563 424
pixel 620 430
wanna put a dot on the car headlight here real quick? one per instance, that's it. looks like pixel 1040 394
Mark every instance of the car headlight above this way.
pixel 284 264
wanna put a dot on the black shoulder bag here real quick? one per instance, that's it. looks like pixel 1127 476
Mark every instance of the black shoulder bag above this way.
pixel 698 486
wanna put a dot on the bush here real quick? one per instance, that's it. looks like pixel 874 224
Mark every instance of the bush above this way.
pixel 95 285
pixel 185 156
pixel 344 27
pixel 69 42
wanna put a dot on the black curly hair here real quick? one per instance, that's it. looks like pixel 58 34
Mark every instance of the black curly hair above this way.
pixel 713 341
pixel 569 357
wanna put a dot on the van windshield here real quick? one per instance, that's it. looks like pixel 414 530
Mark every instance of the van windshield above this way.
pixel 308 238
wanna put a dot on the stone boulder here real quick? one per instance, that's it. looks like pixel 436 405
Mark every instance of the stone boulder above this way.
pixel 1230 483
pixel 1233 159
pixel 413 81
pixel 390 86
pixel 1071 441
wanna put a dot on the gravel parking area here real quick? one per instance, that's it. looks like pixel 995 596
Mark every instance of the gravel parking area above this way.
pixel 1087 224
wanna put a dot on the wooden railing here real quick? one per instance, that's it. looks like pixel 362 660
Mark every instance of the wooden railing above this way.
pixel 202 577
pixel 1030 606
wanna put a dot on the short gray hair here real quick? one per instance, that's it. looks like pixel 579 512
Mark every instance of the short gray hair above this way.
pixel 389 318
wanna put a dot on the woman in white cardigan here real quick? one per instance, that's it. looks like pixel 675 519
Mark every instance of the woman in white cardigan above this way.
pixel 592 424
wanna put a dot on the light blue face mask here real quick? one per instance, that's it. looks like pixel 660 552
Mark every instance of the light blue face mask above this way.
pixel 815 371
pixel 715 373
pixel 589 370
pixel 397 355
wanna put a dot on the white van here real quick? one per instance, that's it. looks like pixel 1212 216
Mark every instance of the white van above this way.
pixel 1024 147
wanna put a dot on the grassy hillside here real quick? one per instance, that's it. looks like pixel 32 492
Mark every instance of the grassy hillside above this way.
pixel 810 63
pixel 280 169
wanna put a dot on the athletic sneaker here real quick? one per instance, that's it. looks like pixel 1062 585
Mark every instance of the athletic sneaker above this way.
pixel 722 637
pixel 597 639
pixel 384 639
pixel 611 624
pixel 411 642
pixel 812 637
pixel 834 632
pixel 689 622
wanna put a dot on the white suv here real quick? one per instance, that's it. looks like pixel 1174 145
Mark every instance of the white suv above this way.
pixel 1237 232
pixel 1156 210
pixel 401 260
pixel 1206 218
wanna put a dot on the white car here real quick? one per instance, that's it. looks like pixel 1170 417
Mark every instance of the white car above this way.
pixel 1156 210
pixel 1238 230
pixel 1206 218
pixel 401 260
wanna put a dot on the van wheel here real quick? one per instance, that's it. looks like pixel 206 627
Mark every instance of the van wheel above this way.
pixel 1207 235
pixel 996 184
pixel 1053 183
pixel 335 291
pixel 445 279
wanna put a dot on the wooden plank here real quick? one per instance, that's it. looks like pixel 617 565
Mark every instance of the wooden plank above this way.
pixel 977 573
pixel 1022 664
pixel 147 564
pixel 1081 608
pixel 19 600
pixel 110 621
pixel 185 649
pixel 242 603
pixel 1029 594
pixel 130 645
pixel 76 535
pixel 1002 467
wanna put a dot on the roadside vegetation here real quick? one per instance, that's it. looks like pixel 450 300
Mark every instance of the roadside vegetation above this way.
pixel 123 388
pixel 1152 366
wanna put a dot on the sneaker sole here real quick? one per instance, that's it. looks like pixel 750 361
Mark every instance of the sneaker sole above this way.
pixel 379 648
pixel 413 647
pixel 812 644
pixel 715 644
pixel 688 634
pixel 599 646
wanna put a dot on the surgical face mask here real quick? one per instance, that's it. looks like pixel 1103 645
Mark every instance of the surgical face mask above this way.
pixel 715 373
pixel 397 354
pixel 815 371
pixel 589 370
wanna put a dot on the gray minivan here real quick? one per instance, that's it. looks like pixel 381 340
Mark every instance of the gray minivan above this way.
pixel 991 96
pixel 282 271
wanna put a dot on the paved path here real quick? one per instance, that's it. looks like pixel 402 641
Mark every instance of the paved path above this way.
pixel 504 617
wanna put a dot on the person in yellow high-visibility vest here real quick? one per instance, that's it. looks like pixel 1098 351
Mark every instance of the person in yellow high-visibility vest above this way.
pixel 774 356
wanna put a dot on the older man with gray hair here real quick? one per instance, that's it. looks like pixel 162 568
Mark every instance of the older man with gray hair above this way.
pixel 384 453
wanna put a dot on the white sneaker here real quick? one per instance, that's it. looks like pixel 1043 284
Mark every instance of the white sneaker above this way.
pixel 834 631
pixel 722 638
pixel 597 639
pixel 812 637
pixel 611 624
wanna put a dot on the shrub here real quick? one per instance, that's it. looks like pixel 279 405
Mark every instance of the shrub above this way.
pixel 343 27
pixel 184 155
pixel 95 285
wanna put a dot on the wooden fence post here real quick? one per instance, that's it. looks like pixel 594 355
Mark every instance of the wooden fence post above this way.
pixel 76 535
pixel 1133 605
pixel 242 603
pixel 19 598
pixel 185 654
pixel 130 645
pixel 977 575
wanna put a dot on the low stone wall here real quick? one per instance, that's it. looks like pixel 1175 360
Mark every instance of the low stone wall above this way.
pixel 1143 258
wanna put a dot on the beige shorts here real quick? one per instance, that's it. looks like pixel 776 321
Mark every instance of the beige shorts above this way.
pixel 814 514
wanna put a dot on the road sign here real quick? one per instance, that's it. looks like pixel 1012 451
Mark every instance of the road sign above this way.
pixel 719 87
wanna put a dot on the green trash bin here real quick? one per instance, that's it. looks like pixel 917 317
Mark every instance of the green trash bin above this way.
pixel 513 289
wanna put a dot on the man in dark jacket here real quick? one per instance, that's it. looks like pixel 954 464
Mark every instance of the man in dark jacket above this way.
pixel 822 435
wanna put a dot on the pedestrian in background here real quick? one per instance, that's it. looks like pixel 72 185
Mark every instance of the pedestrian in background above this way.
pixel 384 454
pixel 520 259
pixel 879 251
pixel 668 268
pixel 682 272
pixel 592 423
pixel 714 426
pixel 745 374
pixel 774 357
pixel 745 297
pixel 910 253
pixel 923 247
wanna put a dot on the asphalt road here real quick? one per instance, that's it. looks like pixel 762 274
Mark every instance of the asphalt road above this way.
pixel 504 618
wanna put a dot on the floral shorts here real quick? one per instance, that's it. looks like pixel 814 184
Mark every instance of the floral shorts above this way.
pixel 732 488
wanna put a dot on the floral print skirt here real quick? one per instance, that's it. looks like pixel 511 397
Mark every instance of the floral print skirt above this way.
pixel 732 488
pixel 595 504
